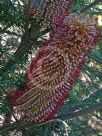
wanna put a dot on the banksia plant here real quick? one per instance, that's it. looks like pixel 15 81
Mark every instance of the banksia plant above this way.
pixel 50 68
pixel 57 65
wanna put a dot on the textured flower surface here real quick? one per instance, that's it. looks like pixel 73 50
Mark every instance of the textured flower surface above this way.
pixel 52 9
pixel 55 68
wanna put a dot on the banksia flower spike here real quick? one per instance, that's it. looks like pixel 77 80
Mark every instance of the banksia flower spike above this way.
pixel 55 68
pixel 53 8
